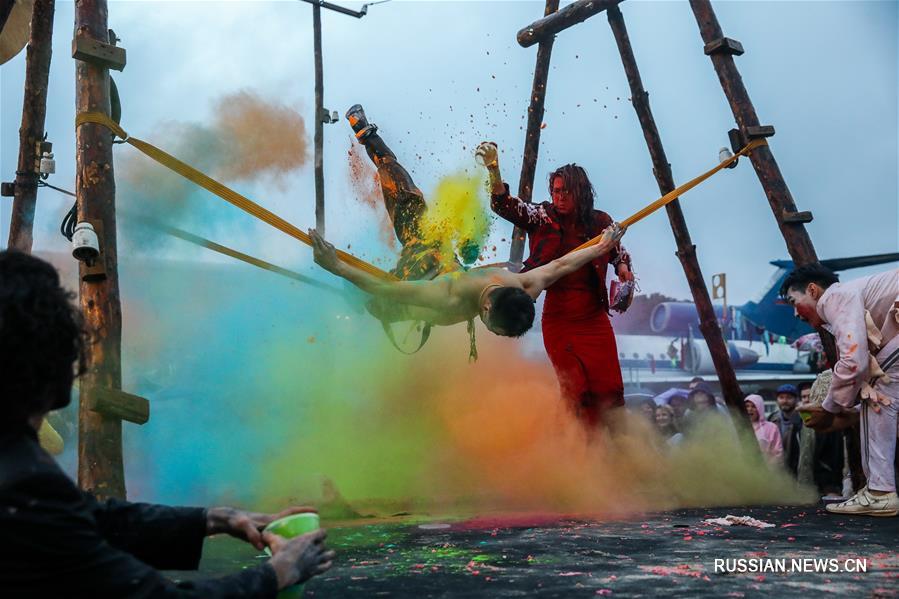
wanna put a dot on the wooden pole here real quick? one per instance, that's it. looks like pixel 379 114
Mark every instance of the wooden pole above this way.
pixel 798 242
pixel 34 110
pixel 551 24
pixel 686 251
pixel 532 136
pixel 319 122
pixel 722 51
pixel 100 467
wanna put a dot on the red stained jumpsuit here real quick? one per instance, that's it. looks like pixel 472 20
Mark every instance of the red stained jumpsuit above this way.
pixel 577 333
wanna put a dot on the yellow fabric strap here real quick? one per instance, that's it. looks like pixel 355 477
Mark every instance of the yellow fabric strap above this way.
pixel 221 249
pixel 675 193
pixel 222 191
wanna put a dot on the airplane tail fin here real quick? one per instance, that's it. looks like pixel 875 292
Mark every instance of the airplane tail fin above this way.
pixel 837 264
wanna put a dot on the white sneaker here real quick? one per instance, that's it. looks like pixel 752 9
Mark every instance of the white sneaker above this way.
pixel 864 503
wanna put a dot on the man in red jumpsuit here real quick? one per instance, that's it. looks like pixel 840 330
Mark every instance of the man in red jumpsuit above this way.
pixel 577 333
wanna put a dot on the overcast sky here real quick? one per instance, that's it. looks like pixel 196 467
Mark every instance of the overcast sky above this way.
pixel 438 77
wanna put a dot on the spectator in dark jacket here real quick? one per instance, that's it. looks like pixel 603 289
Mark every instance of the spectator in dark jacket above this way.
pixel 59 541
pixel 789 422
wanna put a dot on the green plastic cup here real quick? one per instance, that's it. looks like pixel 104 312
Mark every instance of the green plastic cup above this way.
pixel 290 527
pixel 294 525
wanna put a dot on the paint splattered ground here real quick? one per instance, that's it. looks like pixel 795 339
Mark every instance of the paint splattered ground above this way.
pixel 663 554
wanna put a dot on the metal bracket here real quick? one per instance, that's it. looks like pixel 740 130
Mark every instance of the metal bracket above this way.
pixel 98 53
pixel 328 117
pixel 8 190
pixel 118 404
pixel 739 138
pixel 797 218
pixel 725 45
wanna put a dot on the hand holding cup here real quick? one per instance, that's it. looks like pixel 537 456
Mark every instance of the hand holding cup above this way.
pixel 487 154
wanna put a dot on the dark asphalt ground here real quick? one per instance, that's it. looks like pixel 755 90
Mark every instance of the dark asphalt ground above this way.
pixel 670 554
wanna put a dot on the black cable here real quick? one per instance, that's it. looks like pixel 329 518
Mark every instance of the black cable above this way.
pixel 59 189
pixel 67 228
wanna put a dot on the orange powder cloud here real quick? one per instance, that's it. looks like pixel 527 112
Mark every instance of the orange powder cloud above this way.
pixel 262 136
pixel 508 444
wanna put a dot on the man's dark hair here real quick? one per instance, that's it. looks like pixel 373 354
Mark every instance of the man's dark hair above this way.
pixel 697 379
pixel 512 310
pixel 803 386
pixel 41 339
pixel 803 276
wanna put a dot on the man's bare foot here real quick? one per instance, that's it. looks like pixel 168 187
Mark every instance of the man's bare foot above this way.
pixel 299 559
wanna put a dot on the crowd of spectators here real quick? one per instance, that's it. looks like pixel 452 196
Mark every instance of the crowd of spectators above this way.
pixel 785 442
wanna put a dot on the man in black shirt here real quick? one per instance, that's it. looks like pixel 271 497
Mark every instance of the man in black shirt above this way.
pixel 56 540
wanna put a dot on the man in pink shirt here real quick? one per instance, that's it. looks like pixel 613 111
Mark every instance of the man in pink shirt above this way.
pixel 863 316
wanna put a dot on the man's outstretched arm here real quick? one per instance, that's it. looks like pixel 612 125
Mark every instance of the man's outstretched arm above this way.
pixel 537 280
pixel 427 294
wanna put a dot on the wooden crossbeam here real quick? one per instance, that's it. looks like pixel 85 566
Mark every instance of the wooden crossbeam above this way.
pixel 108 56
pixel 574 13
pixel 794 218
pixel 116 403
pixel 724 45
